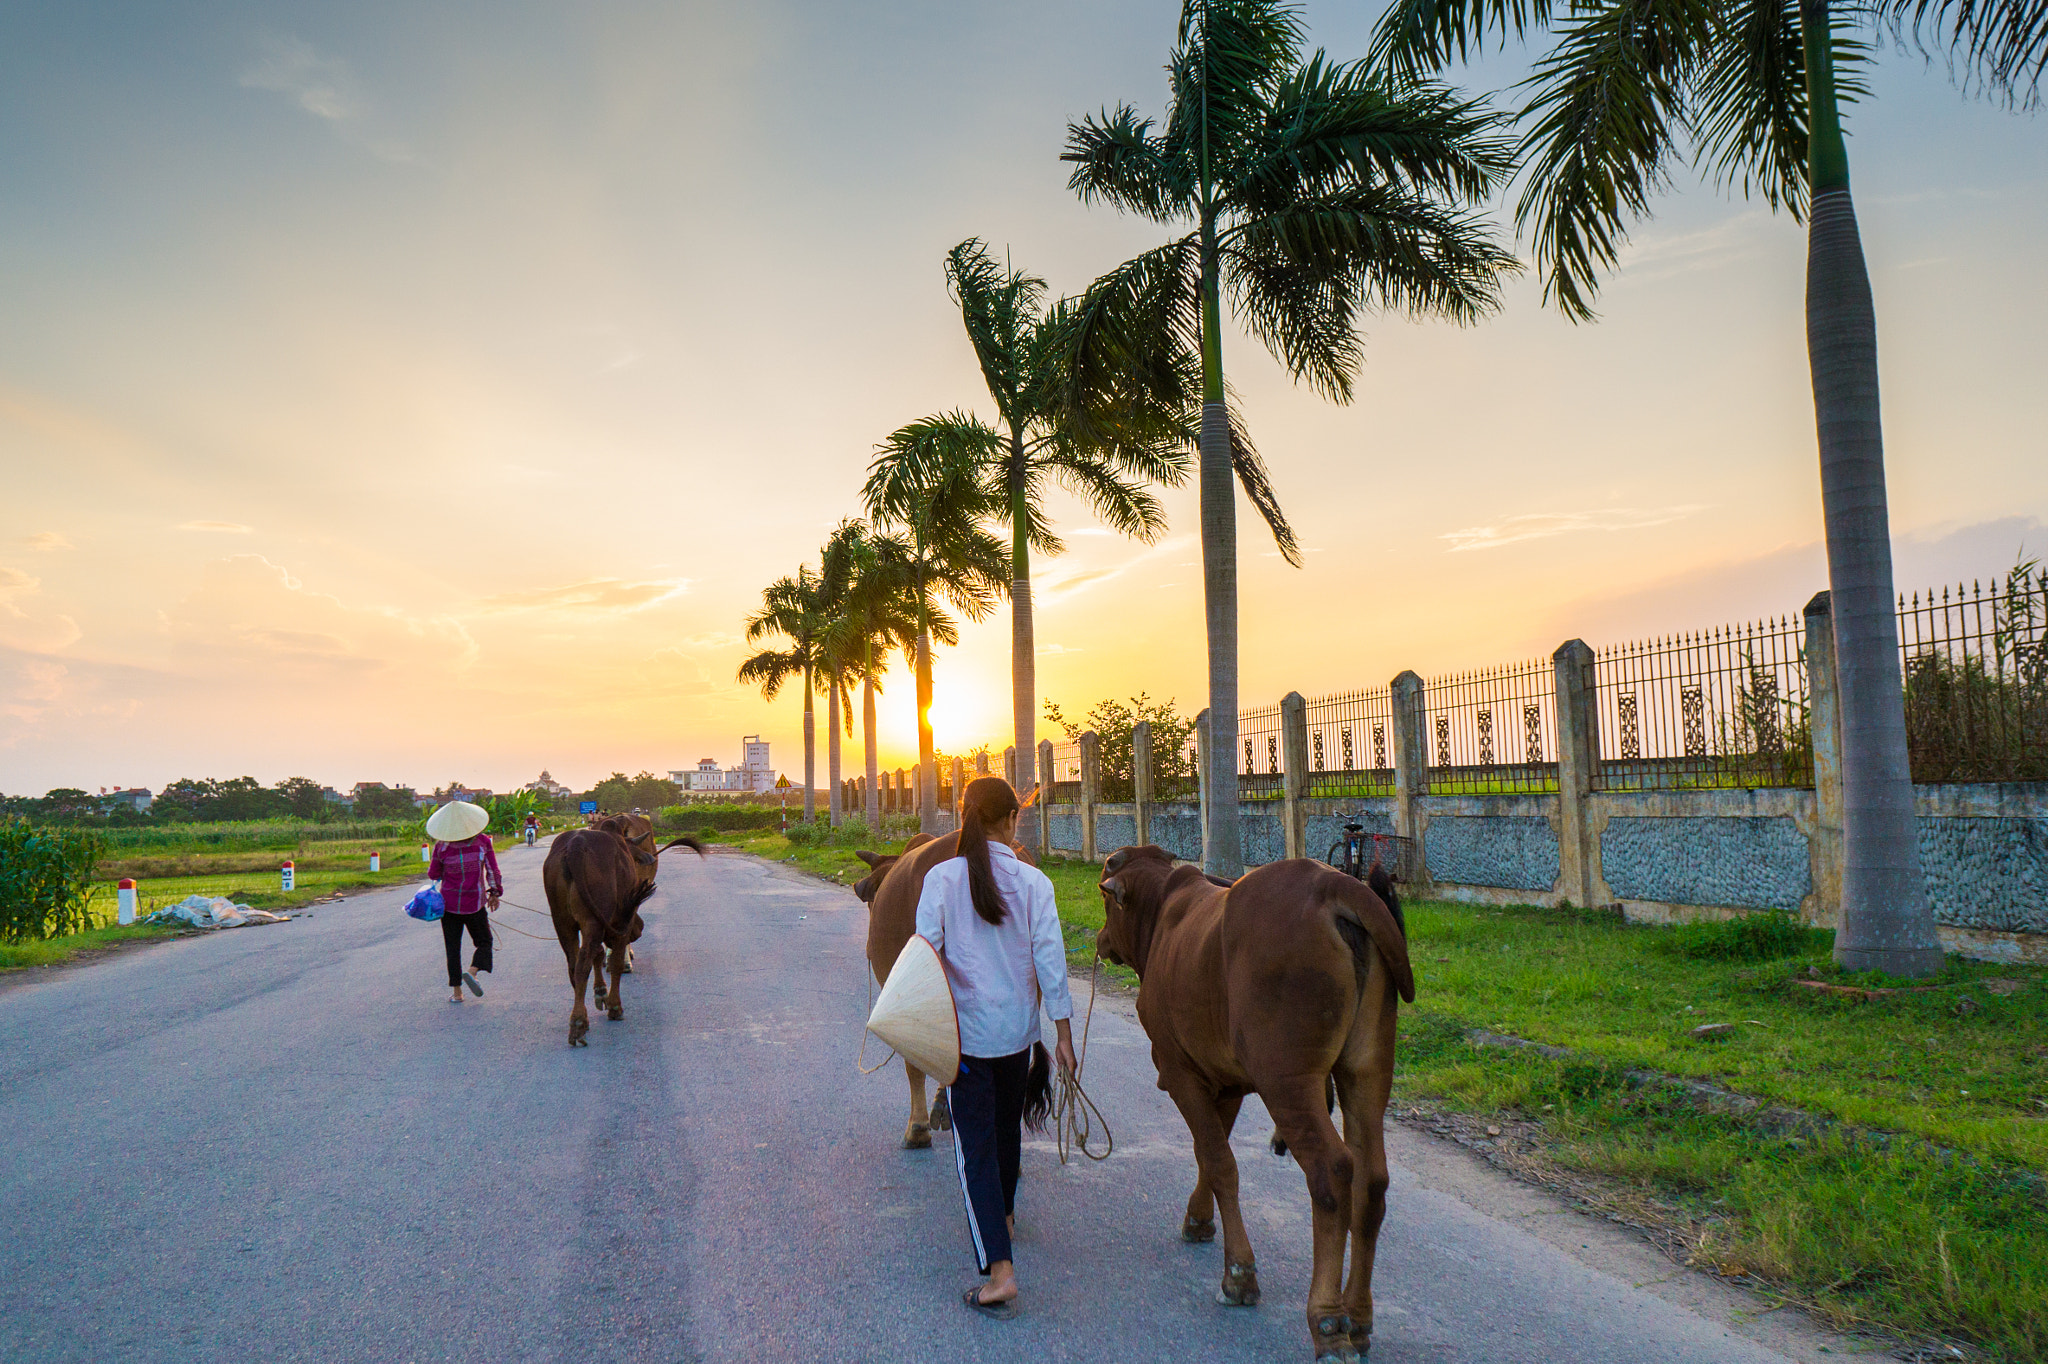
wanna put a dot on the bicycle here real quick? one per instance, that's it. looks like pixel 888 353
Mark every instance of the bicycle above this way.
pixel 1352 854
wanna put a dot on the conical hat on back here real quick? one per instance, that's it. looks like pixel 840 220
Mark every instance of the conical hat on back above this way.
pixel 457 820
pixel 915 1012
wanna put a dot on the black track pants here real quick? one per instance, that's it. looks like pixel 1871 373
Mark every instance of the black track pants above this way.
pixel 988 1136
pixel 479 932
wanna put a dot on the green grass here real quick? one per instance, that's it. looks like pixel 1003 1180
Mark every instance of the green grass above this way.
pixel 56 951
pixel 1892 1234
pixel 252 878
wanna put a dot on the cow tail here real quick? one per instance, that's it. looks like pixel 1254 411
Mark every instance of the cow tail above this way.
pixel 1038 1089
pixel 1368 919
pixel 683 842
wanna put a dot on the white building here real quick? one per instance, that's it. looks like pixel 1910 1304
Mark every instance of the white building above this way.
pixel 754 773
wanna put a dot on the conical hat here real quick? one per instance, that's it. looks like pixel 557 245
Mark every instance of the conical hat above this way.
pixel 457 820
pixel 915 1013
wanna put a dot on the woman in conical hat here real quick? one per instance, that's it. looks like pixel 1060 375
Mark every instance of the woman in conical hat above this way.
pixel 467 867
pixel 997 929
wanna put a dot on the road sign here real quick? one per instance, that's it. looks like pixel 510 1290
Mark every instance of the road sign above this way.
pixel 782 782
pixel 588 807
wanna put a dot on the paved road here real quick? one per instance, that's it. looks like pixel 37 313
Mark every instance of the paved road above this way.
pixel 282 1143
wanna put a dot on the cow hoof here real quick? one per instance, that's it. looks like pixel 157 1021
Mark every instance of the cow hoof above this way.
pixel 917 1137
pixel 1196 1232
pixel 579 1041
pixel 1333 1340
pixel 615 1012
pixel 577 1028
pixel 1240 1286
pixel 942 1114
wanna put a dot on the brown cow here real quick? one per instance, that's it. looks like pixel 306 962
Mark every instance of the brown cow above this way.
pixel 1276 985
pixel 891 890
pixel 596 880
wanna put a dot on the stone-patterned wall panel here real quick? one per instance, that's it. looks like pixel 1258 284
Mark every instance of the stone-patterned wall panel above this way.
pixel 1178 829
pixel 1114 828
pixel 1264 836
pixel 1064 823
pixel 1740 861
pixel 1324 830
pixel 1987 873
pixel 1512 852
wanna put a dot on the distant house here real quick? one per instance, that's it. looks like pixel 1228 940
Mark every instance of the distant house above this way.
pixel 136 798
pixel 334 797
pixel 754 772
pixel 548 787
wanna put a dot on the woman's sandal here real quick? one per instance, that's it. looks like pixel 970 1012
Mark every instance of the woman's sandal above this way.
pixel 469 979
pixel 1001 1311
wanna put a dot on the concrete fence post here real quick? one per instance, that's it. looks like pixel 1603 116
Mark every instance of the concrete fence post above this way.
pixel 1202 765
pixel 1578 774
pixel 1045 781
pixel 1010 767
pixel 904 804
pixel 1294 774
pixel 1091 791
pixel 981 763
pixel 959 785
pixel 1824 722
pixel 917 795
pixel 1411 758
pixel 1141 779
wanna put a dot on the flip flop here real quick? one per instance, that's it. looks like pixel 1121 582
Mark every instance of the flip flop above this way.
pixel 1001 1311
pixel 474 988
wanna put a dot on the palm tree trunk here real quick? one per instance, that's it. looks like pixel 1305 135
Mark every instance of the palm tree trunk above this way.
pixel 810 751
pixel 927 753
pixel 1023 643
pixel 867 723
pixel 835 801
pixel 1887 923
pixel 1222 842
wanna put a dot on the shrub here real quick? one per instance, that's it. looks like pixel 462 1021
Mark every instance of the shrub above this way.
pixel 1762 936
pixel 722 818
pixel 44 876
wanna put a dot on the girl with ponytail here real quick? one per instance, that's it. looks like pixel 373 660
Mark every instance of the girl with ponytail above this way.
pixel 994 922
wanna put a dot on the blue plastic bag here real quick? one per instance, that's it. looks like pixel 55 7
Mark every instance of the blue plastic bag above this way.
pixel 426 904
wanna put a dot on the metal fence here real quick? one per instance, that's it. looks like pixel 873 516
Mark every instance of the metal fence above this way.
pixel 1176 780
pixel 1351 744
pixel 1063 782
pixel 1722 708
pixel 1976 673
pixel 1493 731
pixel 1259 760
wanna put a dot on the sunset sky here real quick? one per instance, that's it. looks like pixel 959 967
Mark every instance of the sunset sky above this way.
pixel 413 392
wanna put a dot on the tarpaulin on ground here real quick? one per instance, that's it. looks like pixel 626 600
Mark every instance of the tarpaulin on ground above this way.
pixel 212 911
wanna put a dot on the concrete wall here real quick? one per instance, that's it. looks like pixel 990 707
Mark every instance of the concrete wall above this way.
pixel 1668 856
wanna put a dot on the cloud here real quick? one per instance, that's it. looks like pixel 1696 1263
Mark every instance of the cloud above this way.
pixel 716 639
pixel 1543 525
pixel 595 595
pixel 1060 583
pixel 24 630
pixel 48 541
pixel 322 86
pixel 253 620
pixel 217 527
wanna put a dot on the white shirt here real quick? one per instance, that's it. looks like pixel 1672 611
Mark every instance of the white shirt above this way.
pixel 997 970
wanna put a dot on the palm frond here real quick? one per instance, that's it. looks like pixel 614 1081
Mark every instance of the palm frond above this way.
pixel 997 306
pixel 1417 37
pixel 1609 101
pixel 1258 486
pixel 1118 161
pixel 1753 88
pixel 1230 56
pixel 1122 504
pixel 1997 46
pixel 770 668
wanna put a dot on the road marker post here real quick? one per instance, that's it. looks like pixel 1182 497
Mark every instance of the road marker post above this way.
pixel 125 894
pixel 287 876
pixel 426 852
pixel 376 861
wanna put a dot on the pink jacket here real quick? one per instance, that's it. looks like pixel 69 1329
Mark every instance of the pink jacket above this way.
pixel 466 871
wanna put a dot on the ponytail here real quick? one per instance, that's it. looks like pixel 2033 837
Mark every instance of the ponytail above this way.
pixel 987 800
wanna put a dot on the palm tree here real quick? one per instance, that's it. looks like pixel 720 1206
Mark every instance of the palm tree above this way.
pixel 1756 91
pixel 1100 448
pixel 930 483
pixel 876 613
pixel 793 608
pixel 1308 192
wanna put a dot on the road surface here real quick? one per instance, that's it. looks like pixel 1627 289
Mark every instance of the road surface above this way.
pixel 282 1143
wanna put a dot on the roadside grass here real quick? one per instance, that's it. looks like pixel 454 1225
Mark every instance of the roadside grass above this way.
pixel 324 869
pixel 1947 1235
pixel 56 951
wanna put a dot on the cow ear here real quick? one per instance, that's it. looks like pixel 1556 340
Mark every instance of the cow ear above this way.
pixel 645 859
pixel 872 859
pixel 1110 888
pixel 1117 860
